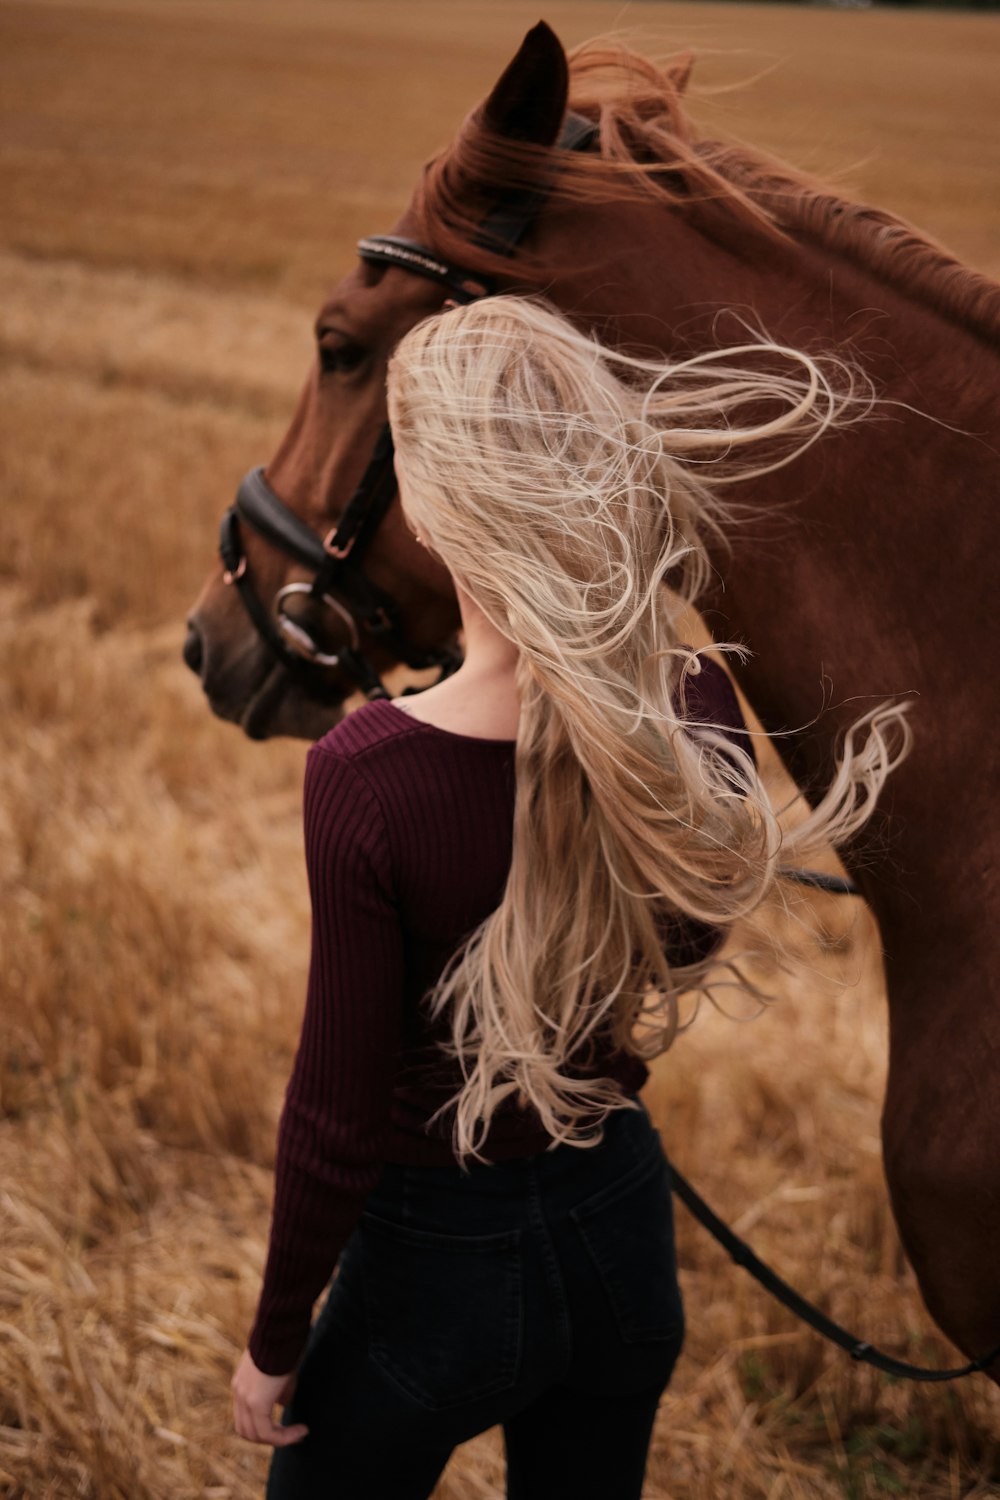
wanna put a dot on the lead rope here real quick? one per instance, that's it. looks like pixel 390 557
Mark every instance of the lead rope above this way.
pixel 858 1349
pixel 741 1253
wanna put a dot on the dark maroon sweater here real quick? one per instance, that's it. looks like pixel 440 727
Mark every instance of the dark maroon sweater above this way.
pixel 408 833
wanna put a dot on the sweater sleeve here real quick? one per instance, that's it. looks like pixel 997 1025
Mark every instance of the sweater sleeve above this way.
pixel 335 1119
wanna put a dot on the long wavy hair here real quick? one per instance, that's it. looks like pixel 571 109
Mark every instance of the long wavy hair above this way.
pixel 563 484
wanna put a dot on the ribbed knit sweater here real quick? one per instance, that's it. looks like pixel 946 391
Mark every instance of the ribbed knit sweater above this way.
pixel 408 835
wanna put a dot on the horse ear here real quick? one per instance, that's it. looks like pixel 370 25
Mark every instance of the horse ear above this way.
pixel 528 101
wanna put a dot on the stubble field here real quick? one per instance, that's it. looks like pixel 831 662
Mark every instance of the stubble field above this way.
pixel 180 184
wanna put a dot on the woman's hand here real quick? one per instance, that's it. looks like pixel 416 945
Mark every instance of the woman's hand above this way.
pixel 254 1395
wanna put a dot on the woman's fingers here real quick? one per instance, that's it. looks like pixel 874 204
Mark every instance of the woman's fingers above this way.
pixel 258 1426
pixel 267 1430
pixel 254 1397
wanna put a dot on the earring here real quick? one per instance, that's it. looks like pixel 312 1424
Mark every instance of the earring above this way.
pixel 418 538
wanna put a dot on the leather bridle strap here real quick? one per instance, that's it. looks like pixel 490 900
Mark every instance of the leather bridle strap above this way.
pixel 503 228
pixel 819 880
pixel 310 677
pixel 412 256
pixel 258 505
pixel 361 518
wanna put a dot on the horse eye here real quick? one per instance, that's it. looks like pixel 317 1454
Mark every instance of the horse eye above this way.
pixel 341 359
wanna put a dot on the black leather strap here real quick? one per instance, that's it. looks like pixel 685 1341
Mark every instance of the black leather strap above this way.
pixel 257 503
pixel 837 885
pixel 858 1349
pixel 505 225
pixel 362 515
pixel 312 679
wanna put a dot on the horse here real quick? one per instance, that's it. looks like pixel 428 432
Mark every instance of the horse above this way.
pixel 853 574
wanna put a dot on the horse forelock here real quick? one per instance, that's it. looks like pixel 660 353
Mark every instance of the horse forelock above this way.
pixel 650 150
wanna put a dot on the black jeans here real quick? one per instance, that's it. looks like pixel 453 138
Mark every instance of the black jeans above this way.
pixel 540 1294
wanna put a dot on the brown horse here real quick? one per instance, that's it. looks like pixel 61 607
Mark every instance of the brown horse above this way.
pixel 856 575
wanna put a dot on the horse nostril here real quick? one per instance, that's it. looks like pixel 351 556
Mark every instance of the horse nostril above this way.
pixel 193 653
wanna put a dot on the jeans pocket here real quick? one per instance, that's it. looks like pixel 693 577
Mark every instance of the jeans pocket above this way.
pixel 627 1228
pixel 444 1310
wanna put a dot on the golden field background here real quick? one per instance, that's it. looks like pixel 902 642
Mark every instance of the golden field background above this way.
pixel 180 183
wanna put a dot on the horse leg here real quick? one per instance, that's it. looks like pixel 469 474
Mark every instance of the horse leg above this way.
pixel 942 1154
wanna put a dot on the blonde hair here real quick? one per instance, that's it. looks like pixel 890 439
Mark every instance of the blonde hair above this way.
pixel 563 483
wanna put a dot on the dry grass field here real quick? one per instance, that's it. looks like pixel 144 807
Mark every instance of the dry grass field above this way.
pixel 180 184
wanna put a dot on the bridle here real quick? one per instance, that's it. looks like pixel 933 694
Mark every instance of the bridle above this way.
pixel 341 593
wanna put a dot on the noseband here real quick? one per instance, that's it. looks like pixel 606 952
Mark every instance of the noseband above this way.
pixel 340 588
pixel 339 585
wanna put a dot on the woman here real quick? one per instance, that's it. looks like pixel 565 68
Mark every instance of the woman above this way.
pixel 513 878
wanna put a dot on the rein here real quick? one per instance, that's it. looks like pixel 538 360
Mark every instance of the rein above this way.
pixel 858 1349
pixel 341 592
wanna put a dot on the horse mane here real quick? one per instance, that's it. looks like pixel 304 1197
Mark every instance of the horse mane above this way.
pixel 649 149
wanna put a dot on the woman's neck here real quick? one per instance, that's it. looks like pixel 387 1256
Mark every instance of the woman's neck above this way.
pixel 486 651
pixel 481 697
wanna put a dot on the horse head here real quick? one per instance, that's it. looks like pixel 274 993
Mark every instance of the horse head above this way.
pixel 584 178
pixel 275 654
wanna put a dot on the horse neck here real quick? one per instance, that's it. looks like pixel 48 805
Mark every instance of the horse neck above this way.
pixel 859 559
pixel 682 279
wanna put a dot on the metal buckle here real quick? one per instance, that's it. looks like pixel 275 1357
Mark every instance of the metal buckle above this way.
pixel 338 552
pixel 297 637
